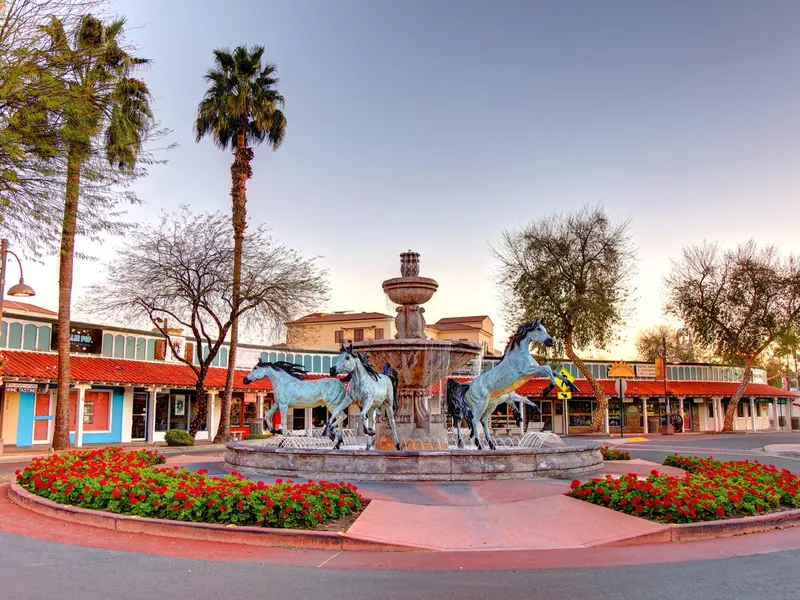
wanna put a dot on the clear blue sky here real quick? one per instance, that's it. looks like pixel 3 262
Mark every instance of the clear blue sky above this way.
pixel 434 125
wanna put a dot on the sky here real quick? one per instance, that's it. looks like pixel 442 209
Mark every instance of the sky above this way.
pixel 435 125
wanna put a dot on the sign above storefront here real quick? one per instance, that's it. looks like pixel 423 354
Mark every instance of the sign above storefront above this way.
pixel 86 340
pixel 620 369
pixel 646 370
pixel 22 387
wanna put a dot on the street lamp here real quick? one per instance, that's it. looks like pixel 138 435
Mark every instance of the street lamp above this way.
pixel 18 289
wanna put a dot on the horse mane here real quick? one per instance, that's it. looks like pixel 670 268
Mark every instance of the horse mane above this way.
pixel 519 335
pixel 296 371
pixel 365 363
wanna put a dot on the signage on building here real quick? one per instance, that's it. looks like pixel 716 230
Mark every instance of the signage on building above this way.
pixel 22 387
pixel 646 370
pixel 86 340
pixel 620 369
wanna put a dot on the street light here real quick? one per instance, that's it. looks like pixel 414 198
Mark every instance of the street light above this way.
pixel 18 289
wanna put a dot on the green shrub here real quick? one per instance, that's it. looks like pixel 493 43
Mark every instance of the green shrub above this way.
pixel 178 437
pixel 256 436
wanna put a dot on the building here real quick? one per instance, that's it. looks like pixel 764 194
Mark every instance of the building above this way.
pixel 327 331
pixel 478 329
pixel 127 386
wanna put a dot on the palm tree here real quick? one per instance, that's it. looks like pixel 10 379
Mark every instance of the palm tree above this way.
pixel 240 108
pixel 103 111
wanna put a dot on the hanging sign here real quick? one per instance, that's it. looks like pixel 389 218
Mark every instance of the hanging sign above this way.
pixel 85 340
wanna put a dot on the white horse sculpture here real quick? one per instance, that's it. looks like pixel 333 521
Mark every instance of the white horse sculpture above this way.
pixel 376 391
pixel 470 401
pixel 290 389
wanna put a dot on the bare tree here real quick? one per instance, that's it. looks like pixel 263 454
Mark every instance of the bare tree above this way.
pixel 180 272
pixel 651 343
pixel 574 271
pixel 736 302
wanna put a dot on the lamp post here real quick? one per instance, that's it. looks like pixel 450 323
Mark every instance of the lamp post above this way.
pixel 18 289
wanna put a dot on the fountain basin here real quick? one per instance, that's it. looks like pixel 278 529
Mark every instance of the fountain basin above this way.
pixel 410 290
pixel 419 363
pixel 564 462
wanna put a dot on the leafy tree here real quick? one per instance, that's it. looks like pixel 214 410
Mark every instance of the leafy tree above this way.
pixel 573 270
pixel 650 344
pixel 736 302
pixel 180 272
pixel 240 108
pixel 104 114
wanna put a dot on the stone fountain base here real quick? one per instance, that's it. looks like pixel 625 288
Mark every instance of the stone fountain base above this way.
pixel 566 462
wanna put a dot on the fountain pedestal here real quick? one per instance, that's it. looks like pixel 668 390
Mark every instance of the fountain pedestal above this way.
pixel 419 362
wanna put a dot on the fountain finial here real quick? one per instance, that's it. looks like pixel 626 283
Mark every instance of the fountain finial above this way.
pixel 409 264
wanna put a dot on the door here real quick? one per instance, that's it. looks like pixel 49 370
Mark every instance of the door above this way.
pixel 139 417
pixel 546 417
pixel 558 421
pixel 42 418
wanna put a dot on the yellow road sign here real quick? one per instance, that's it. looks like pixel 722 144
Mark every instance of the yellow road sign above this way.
pixel 564 395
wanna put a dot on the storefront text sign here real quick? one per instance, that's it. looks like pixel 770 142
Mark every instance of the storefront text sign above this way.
pixel 87 340
pixel 21 387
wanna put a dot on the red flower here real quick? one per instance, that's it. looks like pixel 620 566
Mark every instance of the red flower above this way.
pixel 575 484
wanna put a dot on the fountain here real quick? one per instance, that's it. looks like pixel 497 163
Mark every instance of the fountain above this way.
pixel 419 361
pixel 427 454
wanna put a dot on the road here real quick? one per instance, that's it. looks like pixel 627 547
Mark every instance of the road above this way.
pixel 35 570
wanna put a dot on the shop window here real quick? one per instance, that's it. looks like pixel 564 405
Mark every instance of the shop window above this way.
pixel 273 357
pixel 762 409
pixel 580 412
pixel 281 357
pixel 88 412
pixel 358 335
pixel 236 412
pixel 338 336
pixel 179 411
pixel 15 336
pixel 3 333
pixel 130 347
pixel 29 337
pixel 379 333
pixel 326 364
pixel 308 362
pixel 43 343
pixel 223 357
pixel 710 406
pixel 108 345
pixel 141 348
pixel 162 411
pixel 316 366
pixel 298 419
pixel 151 349
pixel 740 408
pixel 265 356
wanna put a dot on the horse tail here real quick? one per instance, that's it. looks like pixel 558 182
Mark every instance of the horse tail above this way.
pixel 454 395
pixel 393 376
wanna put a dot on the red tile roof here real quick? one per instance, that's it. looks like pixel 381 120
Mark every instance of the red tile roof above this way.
pixel 336 317
pixel 27 307
pixel 453 327
pixel 85 369
pixel 648 389
pixel 474 319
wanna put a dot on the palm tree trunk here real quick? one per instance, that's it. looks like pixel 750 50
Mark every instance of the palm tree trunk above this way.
pixel 602 400
pixel 240 173
pixel 730 413
pixel 66 258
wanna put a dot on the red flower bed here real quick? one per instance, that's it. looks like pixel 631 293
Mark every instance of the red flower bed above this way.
pixel 123 482
pixel 614 454
pixel 710 490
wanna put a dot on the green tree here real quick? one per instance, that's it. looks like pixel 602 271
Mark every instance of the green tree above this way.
pixel 737 302
pixel 240 109
pixel 650 344
pixel 574 271
pixel 104 114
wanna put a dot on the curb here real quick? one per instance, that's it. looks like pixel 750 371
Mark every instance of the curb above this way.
pixel 692 532
pixel 232 534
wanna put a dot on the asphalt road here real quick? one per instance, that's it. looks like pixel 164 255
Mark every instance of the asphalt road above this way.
pixel 34 570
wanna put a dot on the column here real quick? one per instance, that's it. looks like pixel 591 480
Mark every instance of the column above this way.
pixel 79 416
pixel 719 413
pixel 775 413
pixel 644 413
pixel 211 401
pixel 309 425
pixel 127 413
pixel 607 426
pixel 522 419
pixel 151 413
pixel 566 417
pixel 753 414
pixel 260 406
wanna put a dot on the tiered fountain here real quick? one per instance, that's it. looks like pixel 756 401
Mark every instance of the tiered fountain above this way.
pixel 420 363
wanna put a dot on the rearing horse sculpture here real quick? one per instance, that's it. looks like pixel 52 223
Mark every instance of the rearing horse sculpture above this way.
pixel 470 400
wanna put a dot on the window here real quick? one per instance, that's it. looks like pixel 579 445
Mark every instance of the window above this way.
pixel 740 408
pixel 358 335
pixel 236 412
pixel 338 336
pixel 88 412
pixel 711 409
pixel 379 333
